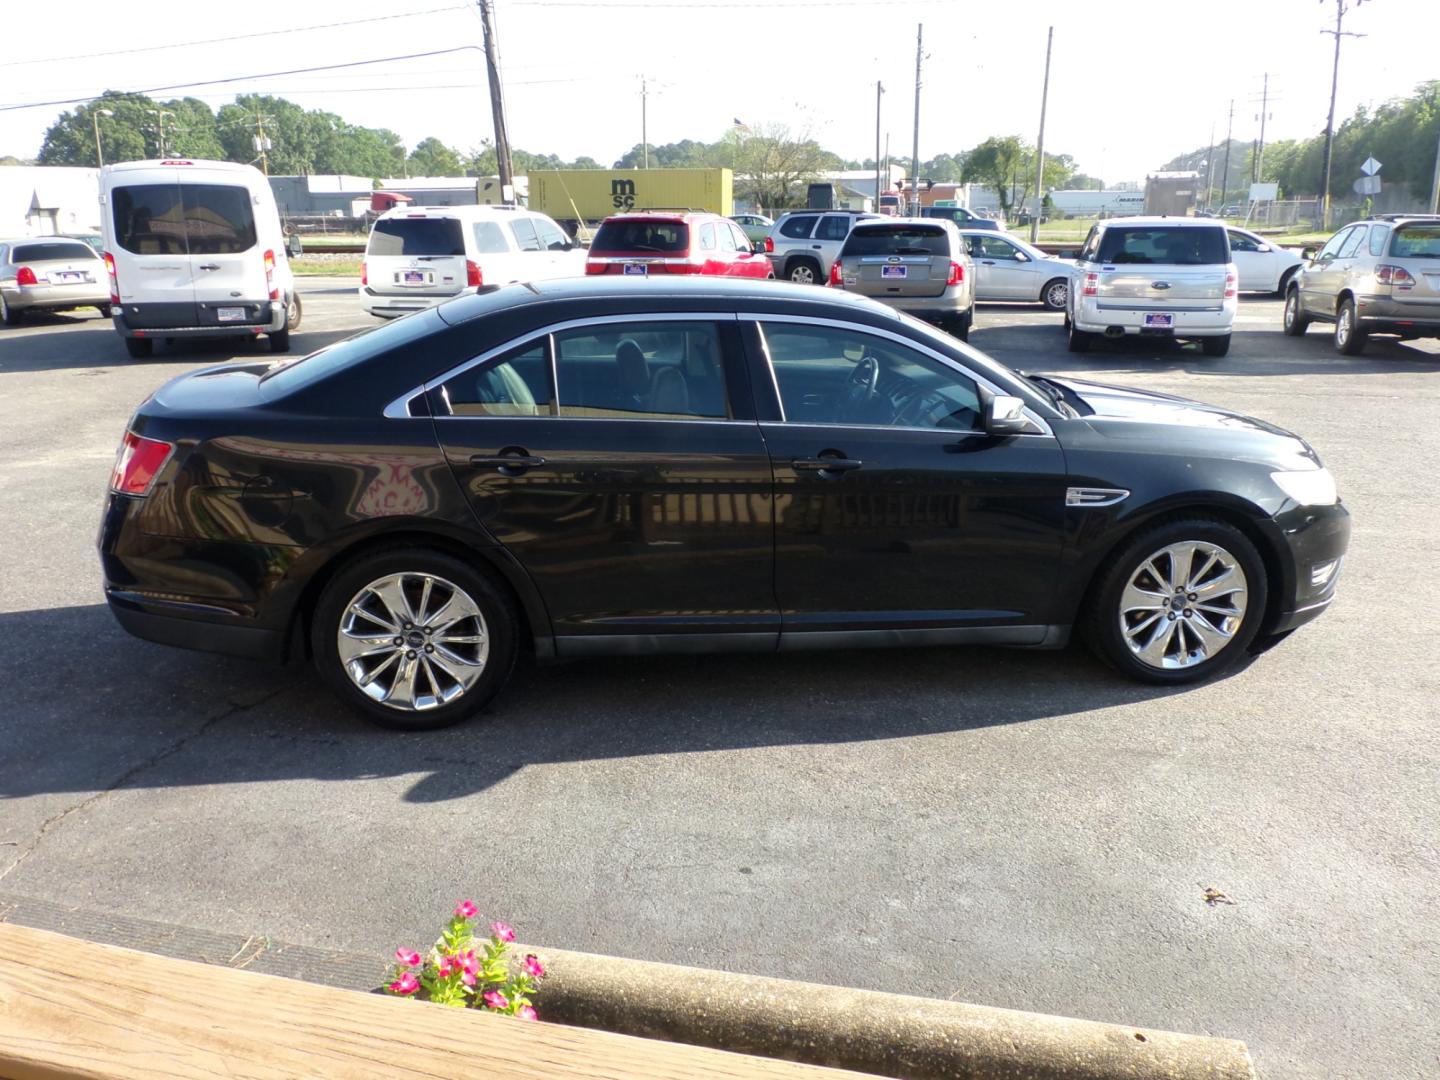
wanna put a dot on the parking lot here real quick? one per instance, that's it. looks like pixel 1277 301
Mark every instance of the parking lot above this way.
pixel 1017 829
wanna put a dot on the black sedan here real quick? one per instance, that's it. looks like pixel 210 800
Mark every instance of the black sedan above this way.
pixel 591 467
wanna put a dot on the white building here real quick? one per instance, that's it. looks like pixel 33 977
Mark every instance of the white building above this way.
pixel 48 200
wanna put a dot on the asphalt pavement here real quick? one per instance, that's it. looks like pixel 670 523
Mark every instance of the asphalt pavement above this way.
pixel 1014 829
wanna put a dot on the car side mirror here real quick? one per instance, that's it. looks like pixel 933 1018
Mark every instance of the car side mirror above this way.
pixel 1005 415
pixel 1020 256
pixel 1307 252
pixel 1263 248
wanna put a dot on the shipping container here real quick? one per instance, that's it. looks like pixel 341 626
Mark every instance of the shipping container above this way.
pixel 573 196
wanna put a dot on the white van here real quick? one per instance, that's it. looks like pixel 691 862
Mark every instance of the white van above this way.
pixel 194 249
pixel 418 256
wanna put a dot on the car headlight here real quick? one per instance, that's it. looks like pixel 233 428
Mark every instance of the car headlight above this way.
pixel 1313 487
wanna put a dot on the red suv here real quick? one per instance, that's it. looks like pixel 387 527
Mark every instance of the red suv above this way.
pixel 674 242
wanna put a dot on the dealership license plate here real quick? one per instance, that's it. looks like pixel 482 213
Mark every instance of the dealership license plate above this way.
pixel 230 314
pixel 415 277
pixel 67 275
pixel 893 271
pixel 636 268
pixel 1160 322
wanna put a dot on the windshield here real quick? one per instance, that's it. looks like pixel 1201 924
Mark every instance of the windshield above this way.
pixel 1159 244
pixel 1416 242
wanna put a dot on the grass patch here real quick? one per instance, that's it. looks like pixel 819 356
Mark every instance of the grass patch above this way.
pixel 304 267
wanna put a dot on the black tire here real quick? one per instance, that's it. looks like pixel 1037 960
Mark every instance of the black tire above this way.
pixel 1079 340
pixel 104 310
pixel 1216 346
pixel 279 341
pixel 500 630
pixel 803 272
pixel 1101 623
pixel 959 326
pixel 1349 338
pixel 1056 294
pixel 139 348
pixel 1294 320
pixel 1285 279
pixel 294 312
pixel 8 315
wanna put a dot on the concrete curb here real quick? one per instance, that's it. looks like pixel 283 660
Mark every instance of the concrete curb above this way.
pixel 865 1031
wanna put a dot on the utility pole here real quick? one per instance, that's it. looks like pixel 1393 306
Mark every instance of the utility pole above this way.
pixel 160 115
pixel 1225 175
pixel 1260 147
pixel 1340 10
pixel 915 150
pixel 879 89
pixel 1210 167
pixel 95 115
pixel 1435 183
pixel 497 101
pixel 644 124
pixel 1040 144
pixel 262 143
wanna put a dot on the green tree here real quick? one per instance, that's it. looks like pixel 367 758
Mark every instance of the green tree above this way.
pixel 996 164
pixel 771 163
pixel 431 157
pixel 124 136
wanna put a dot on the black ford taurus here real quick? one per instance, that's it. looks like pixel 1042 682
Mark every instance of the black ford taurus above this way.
pixel 586 467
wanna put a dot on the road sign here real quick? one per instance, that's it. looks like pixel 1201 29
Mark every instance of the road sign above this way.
pixel 1264 192
pixel 1371 166
pixel 1367 185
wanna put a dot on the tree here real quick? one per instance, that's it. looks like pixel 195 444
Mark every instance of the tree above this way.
pixel 996 164
pixel 431 157
pixel 770 163
pixel 123 136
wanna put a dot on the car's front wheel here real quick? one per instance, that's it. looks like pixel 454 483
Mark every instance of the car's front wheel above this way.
pixel 1295 319
pixel 1179 603
pixel 415 639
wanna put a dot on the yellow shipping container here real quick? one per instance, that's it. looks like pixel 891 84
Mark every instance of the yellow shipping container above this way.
pixel 594 194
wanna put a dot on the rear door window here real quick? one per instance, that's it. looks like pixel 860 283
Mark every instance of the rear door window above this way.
pixel 149 219
pixel 799 227
pixel 641 371
pixel 516 384
pixel 1352 242
pixel 219 218
pixel 25 253
pixel 898 240
pixel 489 238
pixel 525 235
pixel 416 236
pixel 1161 244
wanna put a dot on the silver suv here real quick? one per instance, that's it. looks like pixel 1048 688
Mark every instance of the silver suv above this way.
pixel 1380 276
pixel 916 265
pixel 803 243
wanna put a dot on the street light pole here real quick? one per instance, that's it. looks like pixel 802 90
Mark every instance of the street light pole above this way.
pixel 1040 145
pixel 879 89
pixel 95 115
pixel 915 150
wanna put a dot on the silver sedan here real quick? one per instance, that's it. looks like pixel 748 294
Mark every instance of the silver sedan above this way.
pixel 1007 268
pixel 50 274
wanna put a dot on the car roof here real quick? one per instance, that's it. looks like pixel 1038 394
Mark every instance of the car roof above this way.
pixel 1182 222
pixel 885 219
pixel 663 215
pixel 16 241
pixel 463 210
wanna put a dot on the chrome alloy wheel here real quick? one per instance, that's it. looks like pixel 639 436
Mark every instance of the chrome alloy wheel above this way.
pixel 1183 605
pixel 1057 295
pixel 413 641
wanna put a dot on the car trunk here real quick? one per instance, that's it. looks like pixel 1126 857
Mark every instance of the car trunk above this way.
pixel 56 263
pixel 641 247
pixel 416 255
pixel 899 275
pixel 1162 286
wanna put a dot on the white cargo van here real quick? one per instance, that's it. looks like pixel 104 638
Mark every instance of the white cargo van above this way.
pixel 195 249
pixel 418 256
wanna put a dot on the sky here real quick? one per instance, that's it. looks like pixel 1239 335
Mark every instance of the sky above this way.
pixel 1132 82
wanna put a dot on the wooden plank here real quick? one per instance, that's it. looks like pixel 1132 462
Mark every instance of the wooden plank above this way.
pixel 72 1009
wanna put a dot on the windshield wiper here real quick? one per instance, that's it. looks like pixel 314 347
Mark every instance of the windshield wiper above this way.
pixel 1054 391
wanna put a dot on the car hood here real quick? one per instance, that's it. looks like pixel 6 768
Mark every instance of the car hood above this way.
pixel 1179 425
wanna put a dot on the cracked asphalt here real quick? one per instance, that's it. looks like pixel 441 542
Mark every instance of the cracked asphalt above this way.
pixel 1014 829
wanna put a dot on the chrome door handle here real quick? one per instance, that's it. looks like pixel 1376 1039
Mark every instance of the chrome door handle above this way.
pixel 508 464
pixel 209 266
pixel 826 464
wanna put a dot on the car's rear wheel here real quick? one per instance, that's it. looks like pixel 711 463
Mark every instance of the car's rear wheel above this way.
pixel 104 310
pixel 1079 340
pixel 803 272
pixel 8 315
pixel 1295 320
pixel 415 639
pixel 294 312
pixel 1349 338
pixel 1056 294
pixel 139 348
pixel 1179 603
pixel 1216 346
pixel 959 325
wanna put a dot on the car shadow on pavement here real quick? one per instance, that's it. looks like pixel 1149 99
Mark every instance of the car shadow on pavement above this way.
pixel 115 712
pixel 91 343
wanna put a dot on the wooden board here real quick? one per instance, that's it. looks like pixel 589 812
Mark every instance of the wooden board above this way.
pixel 70 1008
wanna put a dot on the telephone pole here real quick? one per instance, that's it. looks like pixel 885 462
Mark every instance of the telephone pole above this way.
pixel 1040 144
pixel 1225 174
pixel 1260 147
pixel 497 101
pixel 879 89
pixel 160 115
pixel 262 143
pixel 1340 10
pixel 1210 168
pixel 644 124
pixel 915 151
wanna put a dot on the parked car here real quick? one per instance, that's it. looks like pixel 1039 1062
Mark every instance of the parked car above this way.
pixel 916 265
pixel 656 242
pixel 965 219
pixel 1153 277
pixel 95 240
pixel 1008 268
pixel 1263 265
pixel 50 274
pixel 573 470
pixel 1380 276
pixel 803 244
pixel 755 226
pixel 418 256
pixel 194 249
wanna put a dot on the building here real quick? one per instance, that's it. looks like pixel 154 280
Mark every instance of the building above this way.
pixel 48 200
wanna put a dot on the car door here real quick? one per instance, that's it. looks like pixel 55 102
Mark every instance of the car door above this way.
pixel 227 261
pixel 793 237
pixel 562 259
pixel 618 460
pixel 708 244
pixel 829 238
pixel 893 511
pixel 532 255
pixel 1320 282
pixel 152 254
pixel 747 262
pixel 1254 261
pixel 999 272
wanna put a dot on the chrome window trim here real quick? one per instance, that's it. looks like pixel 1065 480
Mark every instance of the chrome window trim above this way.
pixel 761 318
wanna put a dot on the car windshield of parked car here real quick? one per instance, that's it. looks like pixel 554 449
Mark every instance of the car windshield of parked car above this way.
pixel 1416 242
pixel 1158 244
pixel 416 236
pixel 27 253
pixel 643 237
pixel 897 240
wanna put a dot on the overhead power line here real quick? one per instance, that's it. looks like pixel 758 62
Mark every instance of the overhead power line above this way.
pixel 237 37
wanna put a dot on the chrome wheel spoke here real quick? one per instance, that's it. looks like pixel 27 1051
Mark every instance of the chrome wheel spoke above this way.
pixel 424 604
pixel 402 690
pixel 358 647
pixel 1134 598
pixel 368 679
pixel 1158 643
pixel 391 592
pixel 1210 638
pixel 1182 604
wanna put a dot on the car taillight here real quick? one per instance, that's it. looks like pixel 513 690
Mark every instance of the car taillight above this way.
pixel 957 274
pixel 592 267
pixel 472 274
pixel 769 245
pixel 835 278
pixel 26 276
pixel 270 275
pixel 1229 286
pixel 137 463
pixel 114 280
pixel 1092 285
pixel 364 274
pixel 1386 274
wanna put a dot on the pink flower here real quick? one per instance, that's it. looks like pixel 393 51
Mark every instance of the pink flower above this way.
pixel 527 1012
pixel 466 909
pixel 405 985
pixel 533 967
pixel 468 978
pixel 469 961
pixel 502 931
pixel 408 957
pixel 495 1000
pixel 447 966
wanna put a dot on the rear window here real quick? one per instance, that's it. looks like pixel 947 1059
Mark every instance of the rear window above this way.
pixel 1416 242
pixel 27 253
pixel 643 237
pixel 897 240
pixel 1159 244
pixel 176 219
pixel 416 236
